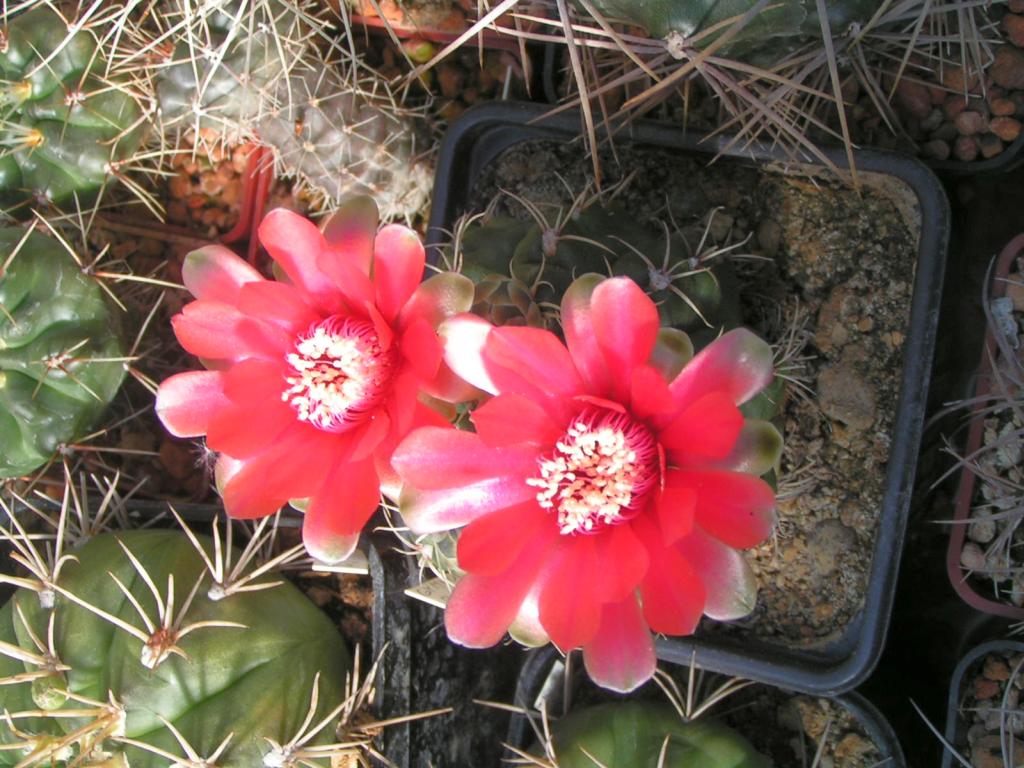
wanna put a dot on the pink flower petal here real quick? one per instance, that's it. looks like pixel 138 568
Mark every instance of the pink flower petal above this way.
pixel 224 469
pixel 708 426
pixel 513 419
pixel 339 510
pixel 620 656
pixel 351 283
pixel 490 544
pixel 649 393
pixel 186 402
pixel 421 347
pixel 402 402
pixel 448 508
pixel 756 451
pixel 621 560
pixel 737 363
pixel 569 609
pixel 464 337
pixel 367 437
pixel 530 362
pixel 626 324
pixel 292 468
pixel 729 581
pixel 433 458
pixel 734 507
pixel 580 338
pixel 449 388
pixel 253 382
pixel 242 431
pixel 438 298
pixel 214 272
pixel 526 628
pixel 351 229
pixel 398 260
pixel 481 608
pixel 209 329
pixel 672 591
pixel 278 303
pixel 295 243
pixel 676 508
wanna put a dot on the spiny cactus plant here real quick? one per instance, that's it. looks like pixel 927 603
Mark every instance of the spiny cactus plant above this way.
pixel 633 734
pixel 119 653
pixel 227 61
pixel 343 133
pixel 60 356
pixel 680 270
pixel 66 122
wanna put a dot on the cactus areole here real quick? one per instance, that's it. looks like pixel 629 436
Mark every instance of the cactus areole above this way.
pixel 95 694
pixel 60 357
pixel 65 123
pixel 645 735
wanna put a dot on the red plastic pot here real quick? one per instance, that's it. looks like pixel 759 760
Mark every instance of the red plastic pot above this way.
pixel 958 575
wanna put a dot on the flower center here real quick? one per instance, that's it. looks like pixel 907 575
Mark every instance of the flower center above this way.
pixel 599 473
pixel 339 373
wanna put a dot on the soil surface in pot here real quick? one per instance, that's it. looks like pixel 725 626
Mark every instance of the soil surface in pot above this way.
pixel 827 278
pixel 989 707
pixel 992 551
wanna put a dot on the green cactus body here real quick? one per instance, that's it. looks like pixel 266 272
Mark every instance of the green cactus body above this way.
pixel 253 682
pixel 506 301
pixel 64 121
pixel 59 351
pixel 632 735
pixel 337 138
pixel 782 27
pixel 699 298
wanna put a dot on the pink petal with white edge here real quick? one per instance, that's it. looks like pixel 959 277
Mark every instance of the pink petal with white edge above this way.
pixel 578 328
pixel 296 244
pixel 338 511
pixel 187 401
pixel 530 362
pixel 729 581
pixel 621 657
pixel 435 511
pixel 398 260
pixel 526 628
pixel 436 457
pixel 626 326
pixel 351 229
pixel 438 298
pixel 225 469
pixel 738 363
pixel 214 272
pixel 464 337
pixel 481 608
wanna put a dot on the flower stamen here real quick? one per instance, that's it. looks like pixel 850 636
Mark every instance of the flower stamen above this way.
pixel 340 373
pixel 599 473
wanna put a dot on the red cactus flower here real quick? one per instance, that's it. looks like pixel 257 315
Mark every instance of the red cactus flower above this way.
pixel 315 379
pixel 608 485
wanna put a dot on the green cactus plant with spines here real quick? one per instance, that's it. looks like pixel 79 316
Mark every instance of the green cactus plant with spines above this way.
pixel 635 734
pixel 66 122
pixel 503 300
pixel 227 62
pixel 343 133
pixel 239 680
pixel 61 360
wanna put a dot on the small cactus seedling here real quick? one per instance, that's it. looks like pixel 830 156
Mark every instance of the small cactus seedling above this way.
pixel 60 356
pixel 134 663
pixel 633 734
pixel 66 122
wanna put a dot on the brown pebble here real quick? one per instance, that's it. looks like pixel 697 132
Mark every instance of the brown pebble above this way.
pixel 936 149
pixel 966 149
pixel 954 105
pixel 1006 128
pixel 450 78
pixel 1007 69
pixel 177 212
pixel 985 689
pixel 180 186
pixel 957 80
pixel 913 98
pixel 990 145
pixel 938 94
pixel 1013 28
pixel 1003 107
pixel 995 669
pixel 970 122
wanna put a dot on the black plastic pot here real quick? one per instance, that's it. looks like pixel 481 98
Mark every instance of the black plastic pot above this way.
pixel 841 664
pixel 967 663
pixel 540 681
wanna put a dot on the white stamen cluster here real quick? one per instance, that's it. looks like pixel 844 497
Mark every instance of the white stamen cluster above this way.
pixel 595 474
pixel 339 372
